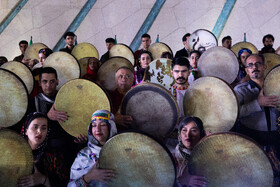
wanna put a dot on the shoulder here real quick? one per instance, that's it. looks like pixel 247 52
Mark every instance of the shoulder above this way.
pixel 243 85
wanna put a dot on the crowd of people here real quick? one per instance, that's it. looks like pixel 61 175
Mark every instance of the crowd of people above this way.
pixel 61 159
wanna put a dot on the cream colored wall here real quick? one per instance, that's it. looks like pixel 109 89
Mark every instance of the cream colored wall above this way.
pixel 46 21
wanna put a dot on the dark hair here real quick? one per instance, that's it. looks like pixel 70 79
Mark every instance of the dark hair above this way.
pixel 269 36
pixel 47 70
pixel 147 52
pixel 166 54
pixel 32 116
pixel 181 61
pixel 258 55
pixel 68 34
pixel 23 42
pixel 185 37
pixel 46 51
pixel 226 38
pixel 110 40
pixel 146 36
pixel 195 51
pixel 188 119
pixel 3 60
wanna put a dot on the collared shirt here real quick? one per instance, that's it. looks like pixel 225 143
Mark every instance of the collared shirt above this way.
pixel 252 115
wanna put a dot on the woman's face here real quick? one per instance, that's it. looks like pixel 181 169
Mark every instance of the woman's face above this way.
pixel 145 60
pixel 243 56
pixel 193 60
pixel 37 132
pixel 190 135
pixel 100 131
pixel 42 58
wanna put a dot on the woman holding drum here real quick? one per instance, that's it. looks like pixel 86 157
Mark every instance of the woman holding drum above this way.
pixel 139 72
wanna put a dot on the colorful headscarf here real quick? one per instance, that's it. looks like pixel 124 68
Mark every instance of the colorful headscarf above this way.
pixel 242 50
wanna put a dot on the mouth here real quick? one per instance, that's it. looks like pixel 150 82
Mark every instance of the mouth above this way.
pixel 38 137
pixel 98 134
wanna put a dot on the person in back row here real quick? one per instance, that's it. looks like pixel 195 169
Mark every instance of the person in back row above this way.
pixel 109 44
pixel 69 38
pixel 185 51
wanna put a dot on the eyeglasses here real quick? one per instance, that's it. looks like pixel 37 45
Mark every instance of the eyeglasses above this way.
pixel 251 65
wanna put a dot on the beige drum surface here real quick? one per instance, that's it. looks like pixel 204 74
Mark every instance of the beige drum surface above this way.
pixel 160 72
pixel 240 45
pixel 80 98
pixel 153 109
pixel 202 40
pixel 13 98
pixel 106 72
pixel 228 159
pixel 138 160
pixel 122 50
pixel 83 50
pixel 271 60
pixel 272 83
pixel 214 102
pixel 32 51
pixel 16 159
pixel 66 66
pixel 22 71
pixel 219 62
pixel 158 48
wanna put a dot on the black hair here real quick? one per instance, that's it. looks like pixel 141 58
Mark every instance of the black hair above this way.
pixel 195 51
pixel 269 36
pixel 188 119
pixel 32 116
pixel 146 36
pixel 23 42
pixel 226 38
pixel 47 70
pixel 3 60
pixel 46 51
pixel 166 54
pixel 185 37
pixel 110 40
pixel 68 34
pixel 181 61
pixel 147 52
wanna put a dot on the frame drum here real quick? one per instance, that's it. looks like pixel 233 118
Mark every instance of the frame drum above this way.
pixel 22 71
pixel 270 60
pixel 80 98
pixel 229 159
pixel 32 51
pixel 271 83
pixel 66 66
pixel 83 50
pixel 214 102
pixel 14 98
pixel 240 45
pixel 122 50
pixel 219 62
pixel 202 40
pixel 138 160
pixel 153 109
pixel 158 48
pixel 16 159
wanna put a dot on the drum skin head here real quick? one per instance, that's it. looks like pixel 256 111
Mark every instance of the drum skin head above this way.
pixel 229 159
pixel 32 51
pixel 13 98
pixel 160 72
pixel 271 83
pixel 138 160
pixel 122 50
pixel 80 98
pixel 106 72
pixel 66 66
pixel 83 50
pixel 214 102
pixel 158 48
pixel 271 60
pixel 16 159
pixel 22 71
pixel 202 40
pixel 219 62
pixel 240 45
pixel 153 109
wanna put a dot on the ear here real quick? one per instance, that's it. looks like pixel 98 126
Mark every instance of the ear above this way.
pixel 57 82
pixel 172 73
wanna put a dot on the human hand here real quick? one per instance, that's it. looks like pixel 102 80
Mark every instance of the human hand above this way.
pixel 196 181
pixel 56 115
pixel 103 175
pixel 269 101
pixel 32 180
pixel 81 139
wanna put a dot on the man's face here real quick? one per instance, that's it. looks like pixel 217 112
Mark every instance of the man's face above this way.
pixel 22 48
pixel 180 74
pixel 109 46
pixel 255 67
pixel 268 41
pixel 227 43
pixel 146 42
pixel 48 83
pixel 185 43
pixel 70 40
pixel 124 79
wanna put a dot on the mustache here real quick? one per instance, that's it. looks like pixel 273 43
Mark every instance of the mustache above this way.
pixel 181 78
pixel 255 71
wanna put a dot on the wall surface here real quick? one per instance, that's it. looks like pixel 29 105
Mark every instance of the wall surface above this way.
pixel 46 21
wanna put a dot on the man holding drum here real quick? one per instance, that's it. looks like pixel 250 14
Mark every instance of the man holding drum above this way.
pixel 258 113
